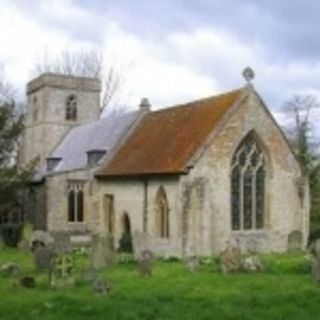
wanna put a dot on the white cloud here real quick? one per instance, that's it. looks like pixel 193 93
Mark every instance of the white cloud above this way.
pixel 180 66
pixel 24 41
pixel 150 75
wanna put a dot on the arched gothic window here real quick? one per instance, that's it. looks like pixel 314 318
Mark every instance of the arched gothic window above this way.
pixel 248 185
pixel 162 214
pixel 75 201
pixel 71 108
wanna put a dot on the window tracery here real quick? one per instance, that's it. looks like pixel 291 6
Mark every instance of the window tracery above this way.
pixel 248 186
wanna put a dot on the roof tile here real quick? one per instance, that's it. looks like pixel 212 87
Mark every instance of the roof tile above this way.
pixel 165 140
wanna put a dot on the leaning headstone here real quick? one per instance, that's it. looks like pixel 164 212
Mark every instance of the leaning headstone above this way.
pixel 101 287
pixel 26 235
pixel 145 263
pixel 9 268
pixel 43 258
pixel 315 266
pixel 252 264
pixel 295 241
pixel 61 242
pixel 62 273
pixel 40 238
pixel 192 263
pixel 102 250
pixel 230 258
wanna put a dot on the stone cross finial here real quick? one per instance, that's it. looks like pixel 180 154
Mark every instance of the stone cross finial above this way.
pixel 248 74
pixel 145 104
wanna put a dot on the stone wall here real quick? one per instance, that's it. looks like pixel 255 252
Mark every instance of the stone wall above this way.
pixel 284 211
pixel 136 198
pixel 200 211
pixel 57 202
pixel 45 123
pixel 199 202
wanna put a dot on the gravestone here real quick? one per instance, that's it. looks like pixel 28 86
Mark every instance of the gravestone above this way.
pixel 230 258
pixel 40 238
pixel 295 241
pixel 102 250
pixel 145 263
pixel 61 242
pixel 252 246
pixel 1 242
pixel 192 263
pixel 101 287
pixel 252 264
pixel 315 266
pixel 27 282
pixel 89 275
pixel 141 241
pixel 62 273
pixel 26 235
pixel 43 258
pixel 9 268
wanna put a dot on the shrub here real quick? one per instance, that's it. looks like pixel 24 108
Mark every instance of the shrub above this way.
pixel 11 234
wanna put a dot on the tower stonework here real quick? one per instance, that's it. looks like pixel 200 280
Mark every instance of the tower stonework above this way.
pixel 56 103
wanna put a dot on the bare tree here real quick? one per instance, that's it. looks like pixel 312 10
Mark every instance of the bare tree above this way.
pixel 301 109
pixel 86 63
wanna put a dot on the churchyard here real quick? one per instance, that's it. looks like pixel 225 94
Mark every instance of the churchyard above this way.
pixel 154 288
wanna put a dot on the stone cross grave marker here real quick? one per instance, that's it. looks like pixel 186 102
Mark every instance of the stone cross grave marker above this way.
pixel 62 273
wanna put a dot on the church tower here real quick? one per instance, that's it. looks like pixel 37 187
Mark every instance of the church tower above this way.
pixel 56 103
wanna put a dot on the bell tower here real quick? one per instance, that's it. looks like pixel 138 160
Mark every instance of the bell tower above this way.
pixel 56 103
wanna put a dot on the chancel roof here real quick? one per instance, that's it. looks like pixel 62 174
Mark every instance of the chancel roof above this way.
pixel 165 140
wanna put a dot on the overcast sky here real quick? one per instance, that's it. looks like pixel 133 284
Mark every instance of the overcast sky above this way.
pixel 173 51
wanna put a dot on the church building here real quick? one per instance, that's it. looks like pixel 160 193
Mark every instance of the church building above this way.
pixel 187 178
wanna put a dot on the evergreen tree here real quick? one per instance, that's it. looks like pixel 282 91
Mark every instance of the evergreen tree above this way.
pixel 12 178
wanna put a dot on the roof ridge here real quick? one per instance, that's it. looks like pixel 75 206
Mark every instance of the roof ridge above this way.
pixel 193 102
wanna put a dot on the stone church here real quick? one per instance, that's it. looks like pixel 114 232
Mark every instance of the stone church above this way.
pixel 188 178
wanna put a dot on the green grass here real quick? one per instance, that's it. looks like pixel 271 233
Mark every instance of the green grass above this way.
pixel 284 290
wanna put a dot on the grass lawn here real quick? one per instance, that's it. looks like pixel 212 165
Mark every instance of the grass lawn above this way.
pixel 284 290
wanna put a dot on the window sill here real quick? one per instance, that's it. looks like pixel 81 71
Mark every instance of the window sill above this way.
pixel 252 231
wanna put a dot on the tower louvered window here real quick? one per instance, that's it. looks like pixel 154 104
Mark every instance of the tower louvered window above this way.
pixel 248 186
pixel 71 108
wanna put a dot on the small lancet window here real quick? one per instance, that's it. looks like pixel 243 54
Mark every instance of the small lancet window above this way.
pixel 248 185
pixel 35 109
pixel 75 201
pixel 71 108
pixel 162 214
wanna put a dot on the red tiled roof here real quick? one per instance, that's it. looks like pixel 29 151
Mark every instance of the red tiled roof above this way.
pixel 165 140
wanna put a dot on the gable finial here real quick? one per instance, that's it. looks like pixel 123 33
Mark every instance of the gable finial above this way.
pixel 248 74
pixel 145 104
